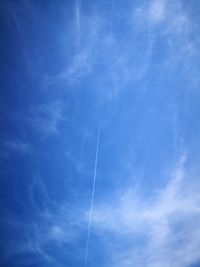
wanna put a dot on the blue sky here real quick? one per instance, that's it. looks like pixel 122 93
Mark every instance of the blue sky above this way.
pixel 131 70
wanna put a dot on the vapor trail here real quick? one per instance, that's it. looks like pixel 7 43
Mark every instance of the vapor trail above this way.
pixel 92 198
pixel 112 4
pixel 78 22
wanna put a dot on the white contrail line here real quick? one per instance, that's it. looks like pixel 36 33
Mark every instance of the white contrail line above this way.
pixel 112 4
pixel 78 4
pixel 92 198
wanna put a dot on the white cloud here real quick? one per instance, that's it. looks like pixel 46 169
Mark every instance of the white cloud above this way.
pixel 153 12
pixel 118 62
pixel 170 16
pixel 12 145
pixel 157 10
pixel 168 223
pixel 113 61
pixel 18 146
pixel 46 118
pixel 80 67
pixel 55 226
pixel 173 31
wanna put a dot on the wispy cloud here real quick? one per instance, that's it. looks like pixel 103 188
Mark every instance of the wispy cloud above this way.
pixel 78 22
pixel 166 225
pixel 171 29
pixel 56 225
pixel 116 62
pixel 166 18
pixel 154 11
pixel 18 146
pixel 124 62
pixel 12 145
pixel 45 118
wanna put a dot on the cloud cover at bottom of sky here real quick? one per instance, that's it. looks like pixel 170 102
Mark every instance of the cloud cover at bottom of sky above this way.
pixel 161 231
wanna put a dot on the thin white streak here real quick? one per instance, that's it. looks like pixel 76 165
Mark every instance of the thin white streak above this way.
pixel 112 6
pixel 114 110
pixel 92 198
pixel 78 23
